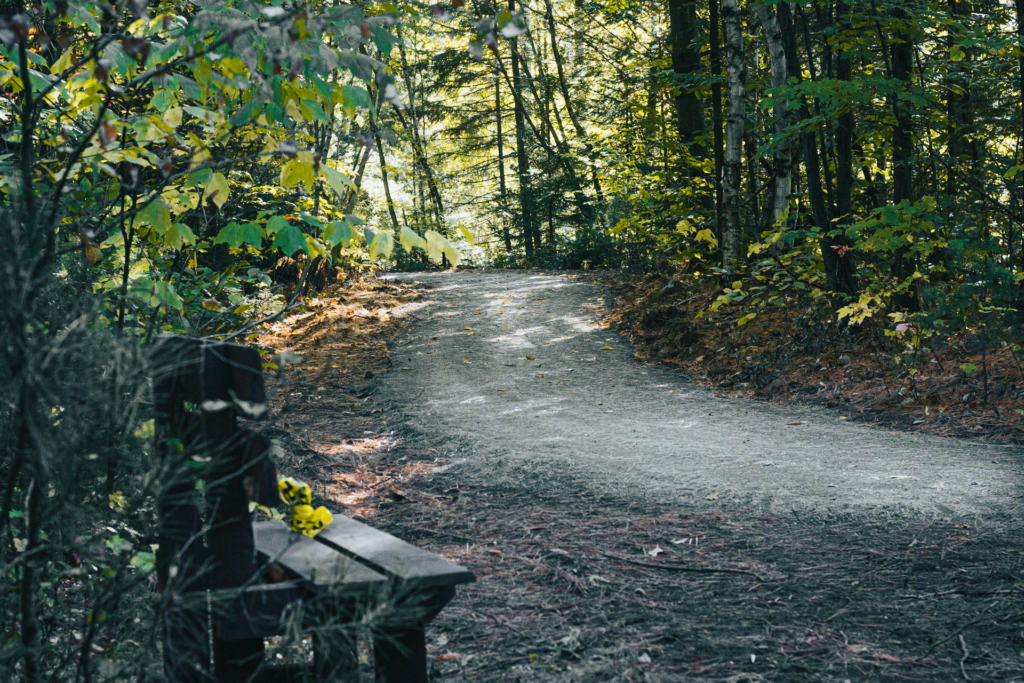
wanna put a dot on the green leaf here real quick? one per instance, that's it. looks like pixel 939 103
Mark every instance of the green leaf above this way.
pixel 956 53
pixel 235 235
pixel 382 38
pixel 315 109
pixel 164 291
pixel 156 215
pixel 353 96
pixel 339 233
pixel 276 224
pixel 162 100
pixel 190 87
pixel 179 235
pixel 382 244
pixel 336 180
pixel 248 111
pixel 290 240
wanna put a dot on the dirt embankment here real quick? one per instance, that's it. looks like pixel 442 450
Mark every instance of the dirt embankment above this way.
pixel 952 388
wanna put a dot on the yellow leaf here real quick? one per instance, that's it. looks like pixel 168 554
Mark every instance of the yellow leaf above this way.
pixel 93 254
pixel 469 236
pixel 706 236
pixel 293 111
pixel 62 63
pixel 217 189
pixel 294 172
pixel 172 117
pixel 410 239
pixel 607 348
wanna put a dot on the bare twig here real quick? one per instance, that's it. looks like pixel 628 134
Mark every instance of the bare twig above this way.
pixel 963 646
pixel 684 568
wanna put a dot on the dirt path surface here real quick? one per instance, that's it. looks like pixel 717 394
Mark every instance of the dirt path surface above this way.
pixel 514 376
pixel 626 526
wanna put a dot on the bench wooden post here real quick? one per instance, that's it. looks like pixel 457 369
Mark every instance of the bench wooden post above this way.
pixel 222 382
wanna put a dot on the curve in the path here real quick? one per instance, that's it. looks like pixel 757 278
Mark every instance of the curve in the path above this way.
pixel 521 391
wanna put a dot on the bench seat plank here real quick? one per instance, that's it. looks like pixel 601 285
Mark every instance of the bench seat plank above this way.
pixel 312 561
pixel 394 556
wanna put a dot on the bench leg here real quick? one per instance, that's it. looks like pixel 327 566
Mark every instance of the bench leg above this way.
pixel 403 659
pixel 237 661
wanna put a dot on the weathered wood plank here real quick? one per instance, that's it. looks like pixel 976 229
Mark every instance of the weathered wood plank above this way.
pixel 312 561
pixel 393 556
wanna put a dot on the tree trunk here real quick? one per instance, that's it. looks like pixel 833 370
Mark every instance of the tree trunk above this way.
pixel 685 31
pixel 715 57
pixel 844 129
pixel 782 161
pixel 1020 121
pixel 564 88
pixel 732 175
pixel 522 161
pixel 387 186
pixel 419 148
pixel 902 178
pixel 501 166
pixel 838 262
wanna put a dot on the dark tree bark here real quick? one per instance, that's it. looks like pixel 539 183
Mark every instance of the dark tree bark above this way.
pixel 685 30
pixel 387 186
pixel 902 149
pixel 782 182
pixel 732 176
pixel 715 57
pixel 522 161
pixel 844 130
pixel 506 235
pixel 838 262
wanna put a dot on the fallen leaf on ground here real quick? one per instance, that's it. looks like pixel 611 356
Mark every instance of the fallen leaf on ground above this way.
pixel 529 358
pixel 655 551
pixel 713 496
pixel 510 365
pixel 793 424
pixel 607 348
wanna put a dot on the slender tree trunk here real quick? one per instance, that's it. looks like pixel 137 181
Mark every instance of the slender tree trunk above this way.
pixel 732 175
pixel 1020 121
pixel 902 141
pixel 782 161
pixel 837 260
pixel 570 110
pixel 685 31
pixel 715 58
pixel 844 129
pixel 501 166
pixel 419 148
pixel 387 185
pixel 523 162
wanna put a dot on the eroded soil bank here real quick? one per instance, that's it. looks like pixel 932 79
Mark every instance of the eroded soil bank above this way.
pixel 720 540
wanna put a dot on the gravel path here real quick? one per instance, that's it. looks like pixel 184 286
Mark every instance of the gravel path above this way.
pixel 509 372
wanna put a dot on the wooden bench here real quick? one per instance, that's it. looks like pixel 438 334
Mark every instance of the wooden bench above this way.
pixel 354 566
pixel 262 577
